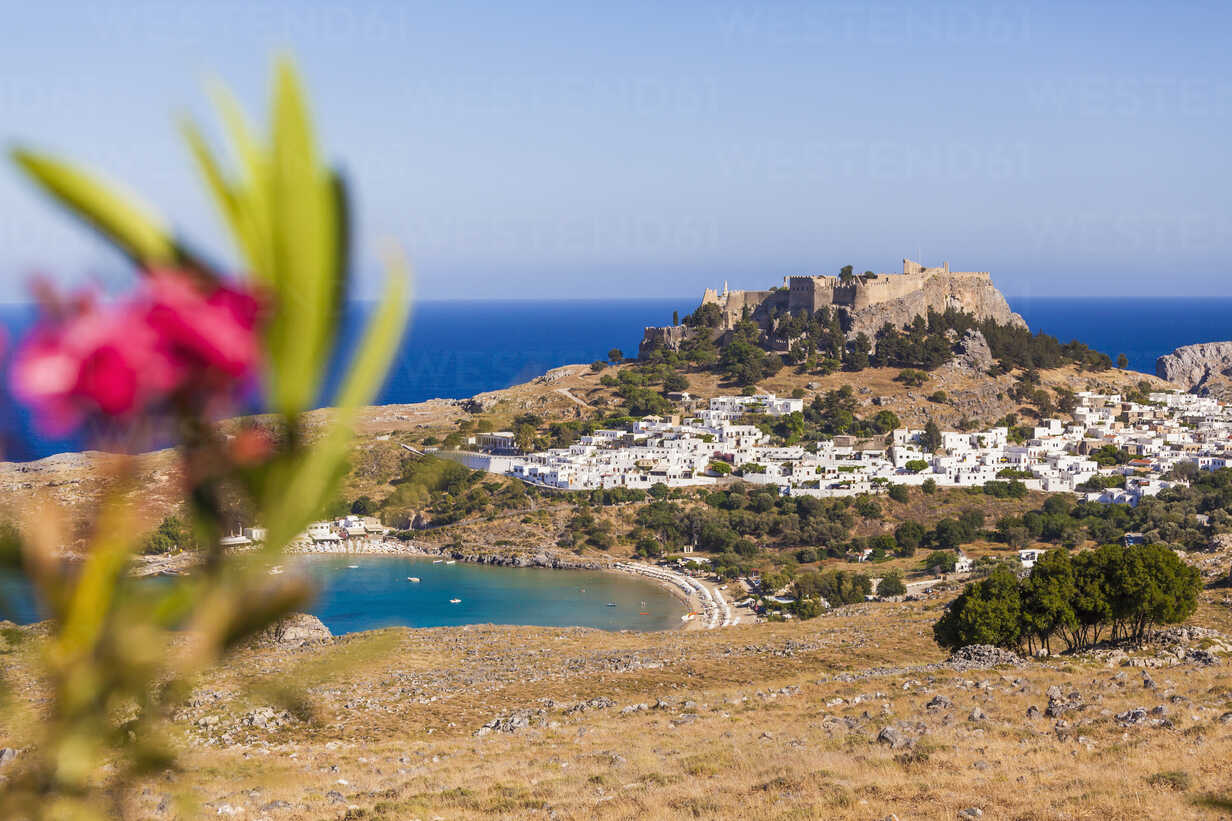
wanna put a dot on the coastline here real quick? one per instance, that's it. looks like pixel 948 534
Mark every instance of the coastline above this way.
pixel 711 607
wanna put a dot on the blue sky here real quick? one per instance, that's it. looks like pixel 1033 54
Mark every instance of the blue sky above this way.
pixel 525 149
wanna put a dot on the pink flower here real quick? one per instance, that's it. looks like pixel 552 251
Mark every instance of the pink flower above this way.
pixel 88 360
pixel 205 336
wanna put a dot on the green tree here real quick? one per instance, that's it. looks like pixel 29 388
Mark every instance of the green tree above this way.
pixel 930 440
pixel 941 561
pixel 1122 361
pixel 615 355
pixel 898 493
pixel 675 382
pixel 1048 596
pixel 987 612
pixel 524 437
pixel 909 536
pixel 891 584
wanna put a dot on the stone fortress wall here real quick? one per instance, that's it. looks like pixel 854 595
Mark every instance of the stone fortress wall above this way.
pixel 813 292
pixel 867 303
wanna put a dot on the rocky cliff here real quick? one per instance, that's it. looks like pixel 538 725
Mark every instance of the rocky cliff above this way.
pixel 973 295
pixel 864 306
pixel 1205 368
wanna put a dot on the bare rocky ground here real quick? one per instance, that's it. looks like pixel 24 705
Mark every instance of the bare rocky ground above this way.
pixel 855 714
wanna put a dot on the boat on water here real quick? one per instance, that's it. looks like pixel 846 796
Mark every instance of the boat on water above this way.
pixel 276 570
pixel 352 567
pixel 437 561
pixel 455 601
pixel 413 579
pixel 611 604
pixel 452 561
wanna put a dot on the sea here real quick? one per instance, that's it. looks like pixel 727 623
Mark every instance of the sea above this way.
pixel 456 349
pixel 370 592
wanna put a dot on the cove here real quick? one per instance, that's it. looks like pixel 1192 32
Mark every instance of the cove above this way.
pixel 377 593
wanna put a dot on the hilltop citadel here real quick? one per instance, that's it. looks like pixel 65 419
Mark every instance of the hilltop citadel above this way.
pixel 865 301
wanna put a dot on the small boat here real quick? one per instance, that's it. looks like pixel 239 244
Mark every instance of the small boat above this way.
pixel 352 567
pixel 611 604
pixel 413 579
pixel 455 601
pixel 451 561
pixel 276 570
pixel 437 561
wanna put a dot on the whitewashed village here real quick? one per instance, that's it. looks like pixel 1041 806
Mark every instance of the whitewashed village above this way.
pixel 1171 428
pixel 715 442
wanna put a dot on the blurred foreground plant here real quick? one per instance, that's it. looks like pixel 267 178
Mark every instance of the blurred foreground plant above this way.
pixel 167 361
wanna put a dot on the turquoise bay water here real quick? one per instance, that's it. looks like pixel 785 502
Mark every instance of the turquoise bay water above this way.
pixel 376 593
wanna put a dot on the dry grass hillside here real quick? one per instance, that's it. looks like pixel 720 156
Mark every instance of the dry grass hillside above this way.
pixel 855 715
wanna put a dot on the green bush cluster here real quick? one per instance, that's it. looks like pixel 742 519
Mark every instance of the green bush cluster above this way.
pixel 1114 592
pixel 1171 517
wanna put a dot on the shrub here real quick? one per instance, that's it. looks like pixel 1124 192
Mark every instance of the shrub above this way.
pixel 986 612
pixel 891 585
pixel 943 561
pixel 909 536
pixel 1178 780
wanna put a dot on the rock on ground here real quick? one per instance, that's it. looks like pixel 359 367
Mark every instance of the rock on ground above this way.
pixel 296 630
pixel 975 656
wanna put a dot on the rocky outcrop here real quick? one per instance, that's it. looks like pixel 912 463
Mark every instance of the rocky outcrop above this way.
pixel 864 305
pixel 972 353
pixel 973 295
pixel 1203 368
pixel 296 630
pixel 668 337
pixel 979 656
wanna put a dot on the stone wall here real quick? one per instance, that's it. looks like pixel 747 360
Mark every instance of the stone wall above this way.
pixel 867 303
pixel 668 337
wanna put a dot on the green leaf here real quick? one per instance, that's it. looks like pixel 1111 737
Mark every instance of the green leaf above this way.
pixel 224 197
pixel 252 184
pixel 138 233
pixel 308 277
pixel 314 481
